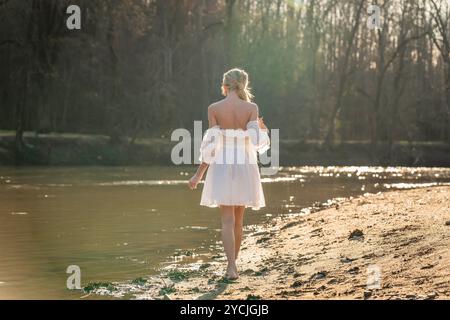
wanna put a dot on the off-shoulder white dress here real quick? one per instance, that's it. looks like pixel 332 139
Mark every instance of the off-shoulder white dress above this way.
pixel 233 177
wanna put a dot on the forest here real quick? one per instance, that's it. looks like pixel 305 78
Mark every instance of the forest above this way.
pixel 321 70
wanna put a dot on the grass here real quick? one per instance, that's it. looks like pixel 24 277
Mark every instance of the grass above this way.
pixel 139 281
pixel 167 290
pixel 195 290
pixel 177 275
pixel 92 286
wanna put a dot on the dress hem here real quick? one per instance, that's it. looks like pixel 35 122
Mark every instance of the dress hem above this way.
pixel 246 205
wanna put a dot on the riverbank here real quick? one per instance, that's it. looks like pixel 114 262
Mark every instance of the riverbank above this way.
pixel 391 245
pixel 66 149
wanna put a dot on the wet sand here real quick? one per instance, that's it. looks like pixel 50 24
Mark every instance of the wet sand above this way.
pixel 392 245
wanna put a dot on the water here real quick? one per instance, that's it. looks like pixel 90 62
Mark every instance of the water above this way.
pixel 118 224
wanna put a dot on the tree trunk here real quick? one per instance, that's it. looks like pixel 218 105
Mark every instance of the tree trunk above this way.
pixel 229 31
pixel 329 139
pixel 447 94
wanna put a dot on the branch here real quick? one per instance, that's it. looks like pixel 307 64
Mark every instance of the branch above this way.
pixel 441 25
pixel 401 47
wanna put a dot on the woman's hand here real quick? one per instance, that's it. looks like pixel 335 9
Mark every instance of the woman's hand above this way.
pixel 193 182
pixel 261 124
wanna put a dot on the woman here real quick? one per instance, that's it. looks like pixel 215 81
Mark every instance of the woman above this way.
pixel 229 149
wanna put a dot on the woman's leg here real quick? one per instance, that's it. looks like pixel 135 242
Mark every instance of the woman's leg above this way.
pixel 238 225
pixel 227 213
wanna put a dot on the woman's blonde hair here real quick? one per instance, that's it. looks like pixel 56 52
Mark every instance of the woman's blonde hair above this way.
pixel 237 80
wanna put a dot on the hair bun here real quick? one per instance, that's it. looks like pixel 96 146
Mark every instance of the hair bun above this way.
pixel 237 80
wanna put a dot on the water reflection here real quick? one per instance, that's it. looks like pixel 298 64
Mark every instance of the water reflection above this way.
pixel 119 224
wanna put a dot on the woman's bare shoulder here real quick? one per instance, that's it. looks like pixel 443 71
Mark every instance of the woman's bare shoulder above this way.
pixel 249 106
pixel 253 109
pixel 252 106
pixel 216 104
pixel 212 109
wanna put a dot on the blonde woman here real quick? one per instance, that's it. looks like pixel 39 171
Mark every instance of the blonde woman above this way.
pixel 229 154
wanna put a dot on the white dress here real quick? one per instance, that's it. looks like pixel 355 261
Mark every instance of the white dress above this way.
pixel 233 177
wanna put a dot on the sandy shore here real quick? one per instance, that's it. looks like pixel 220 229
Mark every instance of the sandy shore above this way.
pixel 399 249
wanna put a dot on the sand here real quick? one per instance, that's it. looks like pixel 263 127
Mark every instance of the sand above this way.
pixel 392 245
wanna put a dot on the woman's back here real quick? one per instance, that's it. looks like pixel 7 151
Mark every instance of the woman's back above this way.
pixel 232 113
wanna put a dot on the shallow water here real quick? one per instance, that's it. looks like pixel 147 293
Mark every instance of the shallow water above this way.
pixel 118 224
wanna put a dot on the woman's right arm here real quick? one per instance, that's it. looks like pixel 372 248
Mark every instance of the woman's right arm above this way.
pixel 198 176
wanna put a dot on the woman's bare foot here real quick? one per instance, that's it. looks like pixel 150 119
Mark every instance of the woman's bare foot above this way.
pixel 231 276
pixel 231 273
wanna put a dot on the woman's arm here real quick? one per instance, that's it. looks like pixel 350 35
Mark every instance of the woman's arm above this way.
pixel 198 176
pixel 254 116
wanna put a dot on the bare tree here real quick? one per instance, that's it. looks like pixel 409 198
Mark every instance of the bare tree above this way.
pixel 439 32
pixel 344 73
